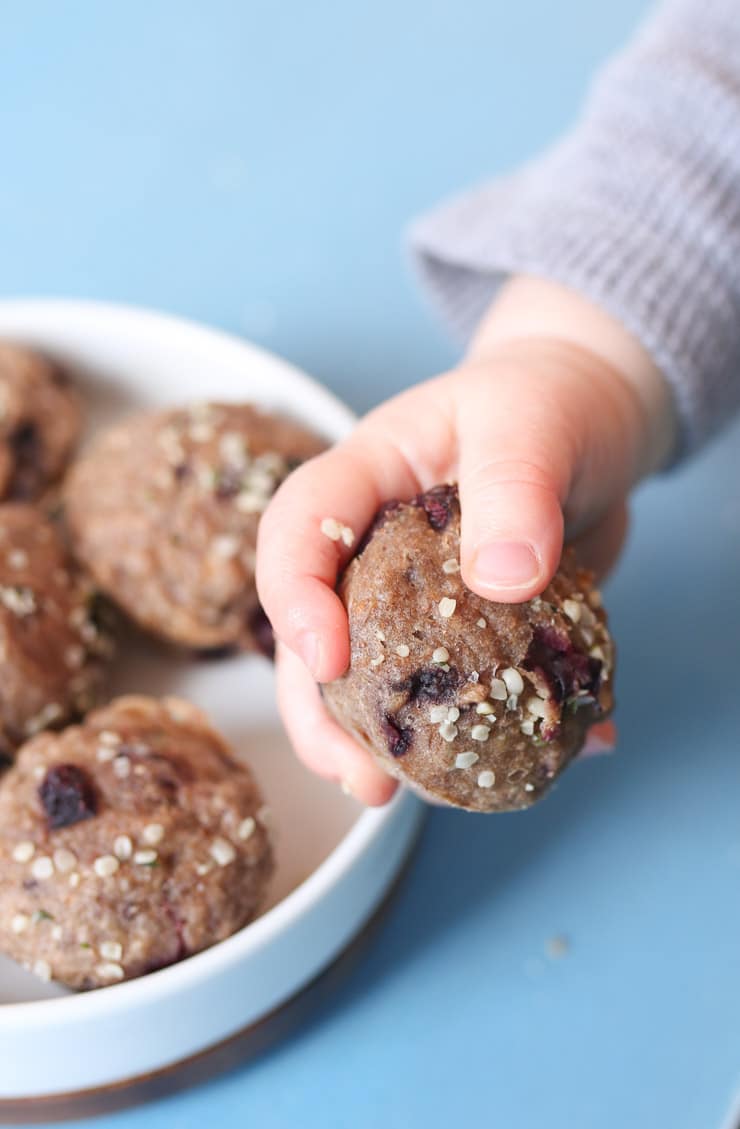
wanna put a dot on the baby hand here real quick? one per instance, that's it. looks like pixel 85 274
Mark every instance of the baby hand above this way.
pixel 555 413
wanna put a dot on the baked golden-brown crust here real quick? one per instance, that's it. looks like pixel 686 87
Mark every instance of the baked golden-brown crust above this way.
pixel 476 704
pixel 53 646
pixel 127 843
pixel 164 508
pixel 40 421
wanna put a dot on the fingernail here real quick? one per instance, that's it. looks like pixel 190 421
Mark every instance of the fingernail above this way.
pixel 596 747
pixel 344 785
pixel 601 738
pixel 309 648
pixel 506 564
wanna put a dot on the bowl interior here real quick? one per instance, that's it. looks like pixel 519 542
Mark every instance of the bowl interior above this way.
pixel 125 360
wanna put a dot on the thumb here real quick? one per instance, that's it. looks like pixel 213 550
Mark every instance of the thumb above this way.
pixel 535 443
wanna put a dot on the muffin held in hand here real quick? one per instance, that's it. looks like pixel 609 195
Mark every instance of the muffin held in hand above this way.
pixel 164 509
pixel 127 843
pixel 53 645
pixel 473 703
pixel 40 423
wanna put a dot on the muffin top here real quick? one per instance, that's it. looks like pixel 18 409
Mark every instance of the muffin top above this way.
pixel 164 508
pixel 475 703
pixel 127 843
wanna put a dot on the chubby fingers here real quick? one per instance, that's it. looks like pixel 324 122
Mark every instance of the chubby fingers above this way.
pixel 311 526
pixel 516 461
pixel 319 742
pixel 599 546
pixel 307 534
pixel 552 435
pixel 601 738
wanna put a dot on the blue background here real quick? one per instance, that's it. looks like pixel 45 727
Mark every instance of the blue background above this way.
pixel 252 165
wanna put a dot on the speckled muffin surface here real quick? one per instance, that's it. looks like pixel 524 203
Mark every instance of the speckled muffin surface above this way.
pixel 475 704
pixel 164 509
pixel 40 423
pixel 53 645
pixel 127 843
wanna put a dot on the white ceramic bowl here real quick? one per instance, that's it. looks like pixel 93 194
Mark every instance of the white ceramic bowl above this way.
pixel 335 861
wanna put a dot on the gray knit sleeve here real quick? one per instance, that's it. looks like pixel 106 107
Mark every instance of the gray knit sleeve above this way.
pixel 638 209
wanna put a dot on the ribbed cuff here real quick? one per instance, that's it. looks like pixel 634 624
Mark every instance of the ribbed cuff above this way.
pixel 649 281
pixel 638 209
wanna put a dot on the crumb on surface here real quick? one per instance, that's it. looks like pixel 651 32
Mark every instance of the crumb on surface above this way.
pixel 336 531
pixel 557 946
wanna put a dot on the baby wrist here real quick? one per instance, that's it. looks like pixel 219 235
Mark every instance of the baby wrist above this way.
pixel 528 309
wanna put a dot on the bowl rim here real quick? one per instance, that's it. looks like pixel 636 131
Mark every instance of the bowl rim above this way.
pixel 172 323
pixel 367 827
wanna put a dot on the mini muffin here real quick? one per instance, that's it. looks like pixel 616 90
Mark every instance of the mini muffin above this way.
pixel 474 703
pixel 164 509
pixel 40 422
pixel 53 642
pixel 127 843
